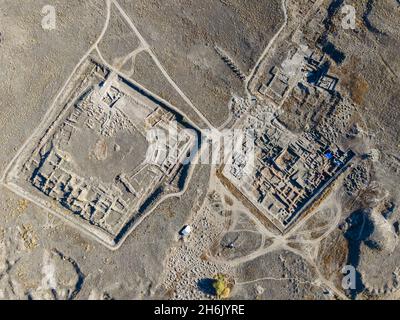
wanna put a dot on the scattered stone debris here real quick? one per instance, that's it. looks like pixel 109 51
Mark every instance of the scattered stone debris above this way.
pixel 357 180
pixel 28 236
pixel 312 187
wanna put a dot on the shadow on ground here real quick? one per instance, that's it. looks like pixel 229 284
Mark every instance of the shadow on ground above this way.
pixel 206 286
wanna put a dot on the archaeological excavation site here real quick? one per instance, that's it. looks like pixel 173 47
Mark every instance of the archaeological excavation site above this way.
pixel 214 150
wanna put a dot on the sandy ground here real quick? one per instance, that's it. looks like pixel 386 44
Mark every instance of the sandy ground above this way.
pixel 172 52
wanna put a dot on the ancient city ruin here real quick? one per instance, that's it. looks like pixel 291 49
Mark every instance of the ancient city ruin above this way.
pixel 200 150
pixel 93 165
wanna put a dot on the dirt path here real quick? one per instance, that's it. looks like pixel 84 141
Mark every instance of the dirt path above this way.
pixel 159 65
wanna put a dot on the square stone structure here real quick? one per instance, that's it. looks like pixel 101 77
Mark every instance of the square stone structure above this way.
pixel 90 162
pixel 283 174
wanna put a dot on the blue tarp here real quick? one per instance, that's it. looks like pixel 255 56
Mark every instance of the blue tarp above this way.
pixel 329 155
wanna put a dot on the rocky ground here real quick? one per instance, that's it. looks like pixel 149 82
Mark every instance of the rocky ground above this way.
pixel 205 47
